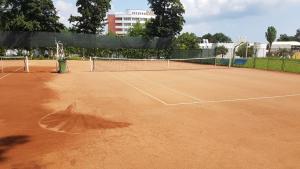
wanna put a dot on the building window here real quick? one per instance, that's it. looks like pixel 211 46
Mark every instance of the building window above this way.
pixel 136 19
pixel 127 19
pixel 127 24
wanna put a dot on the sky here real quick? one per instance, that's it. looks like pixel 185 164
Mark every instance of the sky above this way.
pixel 247 19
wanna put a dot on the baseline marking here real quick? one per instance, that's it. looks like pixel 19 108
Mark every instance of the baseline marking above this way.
pixel 237 100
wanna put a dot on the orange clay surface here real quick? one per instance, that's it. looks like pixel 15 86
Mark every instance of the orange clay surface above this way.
pixel 191 119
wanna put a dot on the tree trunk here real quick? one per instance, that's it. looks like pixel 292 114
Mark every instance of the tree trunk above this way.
pixel 270 47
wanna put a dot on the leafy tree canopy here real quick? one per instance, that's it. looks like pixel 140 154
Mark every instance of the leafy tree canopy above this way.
pixel 187 41
pixel 92 19
pixel 242 51
pixel 29 15
pixel 271 35
pixel 297 36
pixel 285 37
pixel 169 18
pixel 137 30
pixel 217 38
pixel 221 50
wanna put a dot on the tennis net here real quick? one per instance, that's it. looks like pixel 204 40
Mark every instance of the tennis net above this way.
pixel 99 64
pixel 14 64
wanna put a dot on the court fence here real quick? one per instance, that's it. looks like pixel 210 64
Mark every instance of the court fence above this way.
pixel 272 64
pixel 29 40
pixel 43 44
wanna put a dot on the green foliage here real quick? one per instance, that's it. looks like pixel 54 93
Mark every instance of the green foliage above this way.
pixel 169 18
pixel 2 51
pixel 137 30
pixel 111 34
pixel 221 38
pixel 242 51
pixel 285 37
pixel 29 15
pixel 271 35
pixel 217 38
pixel 92 19
pixel 187 41
pixel 221 50
pixel 297 36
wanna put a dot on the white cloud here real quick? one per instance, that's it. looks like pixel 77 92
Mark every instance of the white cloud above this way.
pixel 212 8
pixel 202 14
pixel 65 9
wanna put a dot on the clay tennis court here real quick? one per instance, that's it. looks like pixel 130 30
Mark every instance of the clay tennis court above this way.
pixel 207 118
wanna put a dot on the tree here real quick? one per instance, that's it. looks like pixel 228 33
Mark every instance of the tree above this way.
pixel 92 19
pixel 217 38
pixel 137 30
pixel 297 36
pixel 111 34
pixel 285 37
pixel 221 38
pixel 271 36
pixel 208 36
pixel 169 18
pixel 242 51
pixel 29 15
pixel 221 50
pixel 2 51
pixel 187 41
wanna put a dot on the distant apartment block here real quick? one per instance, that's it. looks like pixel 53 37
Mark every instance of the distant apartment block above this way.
pixel 119 23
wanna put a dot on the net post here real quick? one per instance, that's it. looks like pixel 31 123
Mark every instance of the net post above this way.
pixel 216 61
pixel 26 64
pixel 91 65
pixel 168 63
pixel 2 68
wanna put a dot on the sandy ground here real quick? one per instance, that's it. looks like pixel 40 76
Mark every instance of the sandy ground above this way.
pixel 210 119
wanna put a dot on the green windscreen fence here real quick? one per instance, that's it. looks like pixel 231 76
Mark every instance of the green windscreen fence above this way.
pixel 48 39
pixel 192 53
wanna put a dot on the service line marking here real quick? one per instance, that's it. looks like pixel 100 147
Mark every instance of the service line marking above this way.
pixel 173 90
pixel 141 91
pixel 239 99
pixel 9 73
pixel 209 101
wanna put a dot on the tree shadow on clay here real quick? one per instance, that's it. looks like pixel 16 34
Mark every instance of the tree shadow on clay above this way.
pixel 9 142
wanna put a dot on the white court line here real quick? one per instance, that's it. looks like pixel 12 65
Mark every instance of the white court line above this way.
pixel 210 101
pixel 9 73
pixel 237 100
pixel 173 90
pixel 142 91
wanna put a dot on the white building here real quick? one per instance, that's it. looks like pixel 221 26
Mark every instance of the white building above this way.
pixel 119 23
pixel 260 48
pixel 289 45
